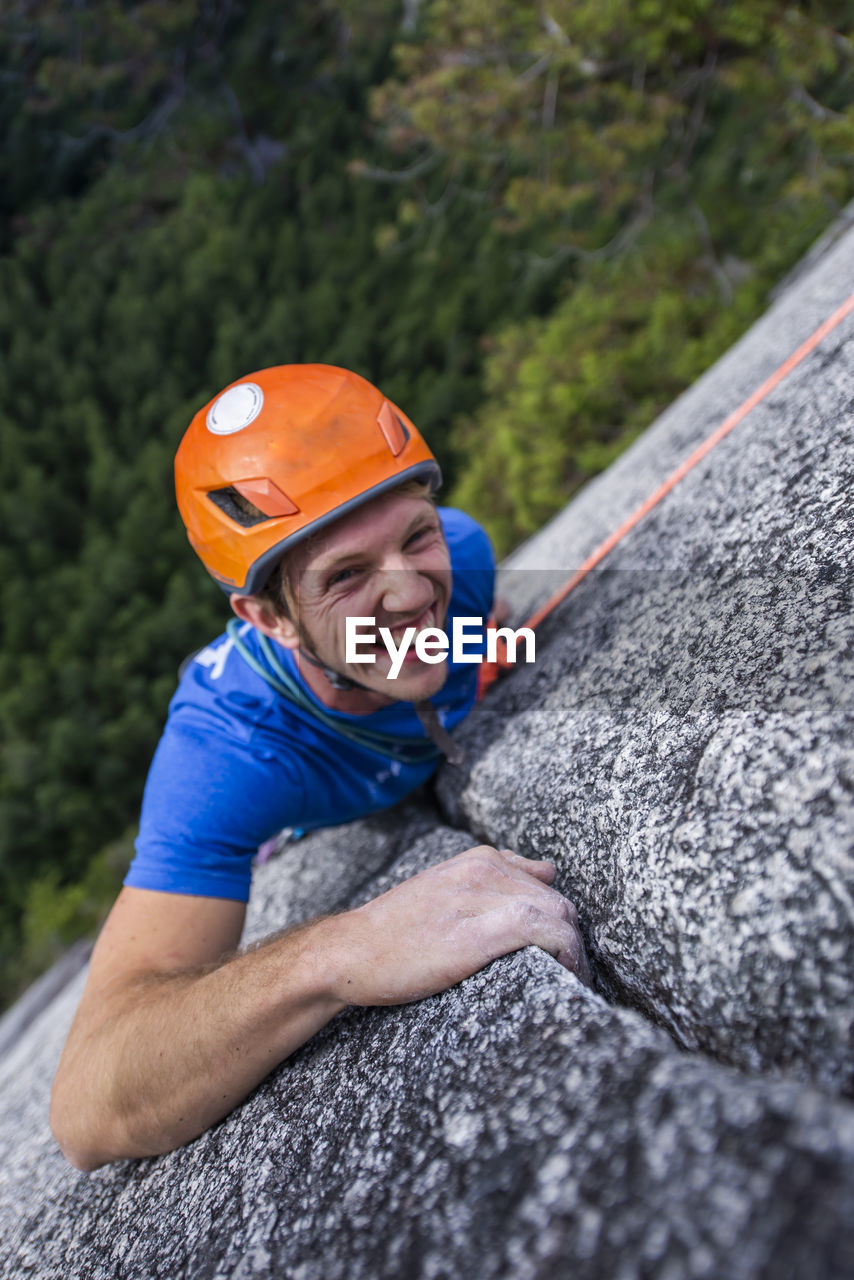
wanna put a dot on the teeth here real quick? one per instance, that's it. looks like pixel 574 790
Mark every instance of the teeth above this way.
pixel 399 632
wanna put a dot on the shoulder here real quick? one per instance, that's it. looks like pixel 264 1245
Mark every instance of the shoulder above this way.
pixel 220 784
pixel 468 542
pixel 222 691
pixel 472 564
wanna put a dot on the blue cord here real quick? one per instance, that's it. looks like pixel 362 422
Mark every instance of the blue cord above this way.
pixel 406 750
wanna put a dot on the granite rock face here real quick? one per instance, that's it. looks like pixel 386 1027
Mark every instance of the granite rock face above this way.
pixel 605 502
pixel 682 749
pixel 683 744
pixel 515 1126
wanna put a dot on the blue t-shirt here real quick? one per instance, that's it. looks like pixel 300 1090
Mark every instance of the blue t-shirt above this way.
pixel 238 761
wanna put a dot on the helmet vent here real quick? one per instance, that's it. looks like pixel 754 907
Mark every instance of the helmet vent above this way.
pixel 238 508
pixel 394 430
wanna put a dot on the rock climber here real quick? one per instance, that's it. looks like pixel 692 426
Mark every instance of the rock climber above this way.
pixel 308 496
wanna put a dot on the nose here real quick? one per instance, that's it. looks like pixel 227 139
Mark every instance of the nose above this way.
pixel 403 589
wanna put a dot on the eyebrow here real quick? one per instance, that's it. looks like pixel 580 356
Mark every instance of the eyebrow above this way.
pixel 350 557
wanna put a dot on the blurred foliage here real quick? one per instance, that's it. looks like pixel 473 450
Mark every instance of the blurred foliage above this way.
pixel 677 157
pixel 532 224
pixel 56 914
pixel 178 213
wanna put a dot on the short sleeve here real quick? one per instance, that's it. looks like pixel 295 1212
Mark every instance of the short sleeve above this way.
pixel 209 803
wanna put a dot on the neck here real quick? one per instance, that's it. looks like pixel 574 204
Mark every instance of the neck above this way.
pixel 353 702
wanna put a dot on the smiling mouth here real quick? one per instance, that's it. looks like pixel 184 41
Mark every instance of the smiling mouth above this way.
pixel 421 622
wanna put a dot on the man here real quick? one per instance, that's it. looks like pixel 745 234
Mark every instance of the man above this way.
pixel 307 495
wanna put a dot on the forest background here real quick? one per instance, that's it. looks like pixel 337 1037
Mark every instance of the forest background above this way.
pixel 532 224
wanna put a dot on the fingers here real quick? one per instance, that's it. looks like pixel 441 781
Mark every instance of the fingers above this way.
pixel 542 868
pixel 518 923
pixel 502 871
pixel 507 860
pixel 550 901
pixel 524 910
pixel 575 959
pixel 561 938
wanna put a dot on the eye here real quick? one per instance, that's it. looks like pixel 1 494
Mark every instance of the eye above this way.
pixel 420 535
pixel 347 575
pixel 340 576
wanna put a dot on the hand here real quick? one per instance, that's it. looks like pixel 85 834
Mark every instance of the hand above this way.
pixel 446 923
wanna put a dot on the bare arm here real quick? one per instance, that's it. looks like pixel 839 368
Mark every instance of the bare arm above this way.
pixel 170 1036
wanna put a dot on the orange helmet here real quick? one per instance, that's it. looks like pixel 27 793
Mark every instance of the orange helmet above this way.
pixel 301 443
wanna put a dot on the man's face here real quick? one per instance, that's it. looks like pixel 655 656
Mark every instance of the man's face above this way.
pixel 387 560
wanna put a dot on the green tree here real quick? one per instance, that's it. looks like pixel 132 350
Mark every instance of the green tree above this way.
pixel 676 157
pixel 207 243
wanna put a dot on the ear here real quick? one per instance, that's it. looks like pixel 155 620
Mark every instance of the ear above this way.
pixel 263 617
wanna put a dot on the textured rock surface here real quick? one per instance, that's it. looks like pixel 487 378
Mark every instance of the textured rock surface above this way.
pixel 682 749
pixel 514 1125
pixel 604 503
pixel 43 992
pixel 683 744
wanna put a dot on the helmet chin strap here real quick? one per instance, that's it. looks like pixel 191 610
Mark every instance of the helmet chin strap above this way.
pixel 424 709
pixel 335 678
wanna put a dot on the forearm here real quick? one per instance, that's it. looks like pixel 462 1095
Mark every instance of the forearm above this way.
pixel 154 1058
pixel 176 1052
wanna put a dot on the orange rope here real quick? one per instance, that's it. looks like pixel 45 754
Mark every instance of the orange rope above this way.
pixel 489 671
